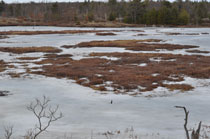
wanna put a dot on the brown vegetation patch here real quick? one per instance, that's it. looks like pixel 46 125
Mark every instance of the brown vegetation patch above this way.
pixel 10 66
pixel 15 75
pixel 141 35
pixel 177 33
pixel 205 33
pixel 106 34
pixel 197 51
pixel 55 61
pixel 128 75
pixel 28 58
pixel 182 87
pixel 137 30
pixel 21 50
pixel 2 66
pixel 3 37
pixel 57 56
pixel 135 45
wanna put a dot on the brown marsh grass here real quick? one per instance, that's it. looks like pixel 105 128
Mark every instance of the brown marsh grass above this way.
pixel 126 73
pixel 105 34
pixel 197 51
pixel 21 50
pixel 135 45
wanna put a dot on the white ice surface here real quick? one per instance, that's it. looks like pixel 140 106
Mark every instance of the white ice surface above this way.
pixel 86 110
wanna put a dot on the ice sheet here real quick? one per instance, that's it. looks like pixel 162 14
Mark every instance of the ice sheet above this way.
pixel 151 115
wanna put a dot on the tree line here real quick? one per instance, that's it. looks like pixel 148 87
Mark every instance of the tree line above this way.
pixel 161 12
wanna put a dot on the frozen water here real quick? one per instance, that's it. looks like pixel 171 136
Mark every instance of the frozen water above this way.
pixel 151 115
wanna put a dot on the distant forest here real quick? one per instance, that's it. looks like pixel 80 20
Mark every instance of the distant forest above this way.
pixel 131 12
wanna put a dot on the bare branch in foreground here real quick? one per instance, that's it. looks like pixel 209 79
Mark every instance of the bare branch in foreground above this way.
pixel 186 120
pixel 8 132
pixel 45 115
pixel 194 134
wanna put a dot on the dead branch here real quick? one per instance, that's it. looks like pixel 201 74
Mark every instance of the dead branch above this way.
pixel 186 120
pixel 194 134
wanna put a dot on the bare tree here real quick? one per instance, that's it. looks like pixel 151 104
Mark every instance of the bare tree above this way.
pixel 8 132
pixel 194 134
pixel 45 115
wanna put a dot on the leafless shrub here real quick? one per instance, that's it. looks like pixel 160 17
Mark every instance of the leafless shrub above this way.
pixel 29 134
pixel 8 132
pixel 45 115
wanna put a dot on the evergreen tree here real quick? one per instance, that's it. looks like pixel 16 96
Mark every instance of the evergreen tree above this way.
pixel 112 16
pixel 184 17
pixel 151 17
pixel 2 6
pixel 174 15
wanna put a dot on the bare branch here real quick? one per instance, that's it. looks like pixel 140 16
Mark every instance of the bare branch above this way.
pixel 45 115
pixel 8 132
pixel 186 120
pixel 194 134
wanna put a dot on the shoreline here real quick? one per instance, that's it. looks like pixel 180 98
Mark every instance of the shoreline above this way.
pixel 101 25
